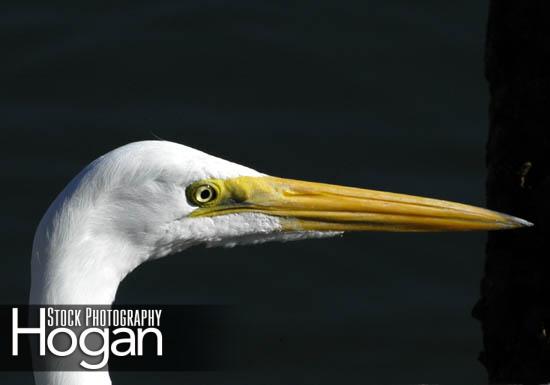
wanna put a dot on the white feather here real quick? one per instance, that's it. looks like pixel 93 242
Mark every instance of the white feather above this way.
pixel 127 207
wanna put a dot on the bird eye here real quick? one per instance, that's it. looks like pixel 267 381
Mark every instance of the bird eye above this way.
pixel 203 194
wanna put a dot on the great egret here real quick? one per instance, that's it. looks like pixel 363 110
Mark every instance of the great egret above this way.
pixel 149 199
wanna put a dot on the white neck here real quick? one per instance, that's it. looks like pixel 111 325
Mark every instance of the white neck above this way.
pixel 87 273
pixel 77 273
pixel 72 378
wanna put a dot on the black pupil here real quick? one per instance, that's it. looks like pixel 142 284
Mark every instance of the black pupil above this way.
pixel 205 194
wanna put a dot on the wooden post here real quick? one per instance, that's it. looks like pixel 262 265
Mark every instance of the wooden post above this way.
pixel 514 308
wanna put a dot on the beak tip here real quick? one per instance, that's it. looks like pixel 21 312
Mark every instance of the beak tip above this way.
pixel 515 222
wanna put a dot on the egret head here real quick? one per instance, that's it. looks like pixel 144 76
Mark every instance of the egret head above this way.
pixel 149 199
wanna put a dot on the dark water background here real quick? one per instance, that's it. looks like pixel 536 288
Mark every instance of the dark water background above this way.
pixel 384 94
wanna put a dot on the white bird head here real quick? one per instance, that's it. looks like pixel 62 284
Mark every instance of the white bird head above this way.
pixel 152 198
pixel 149 199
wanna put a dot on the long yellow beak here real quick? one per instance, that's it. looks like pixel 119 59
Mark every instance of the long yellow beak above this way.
pixel 324 207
